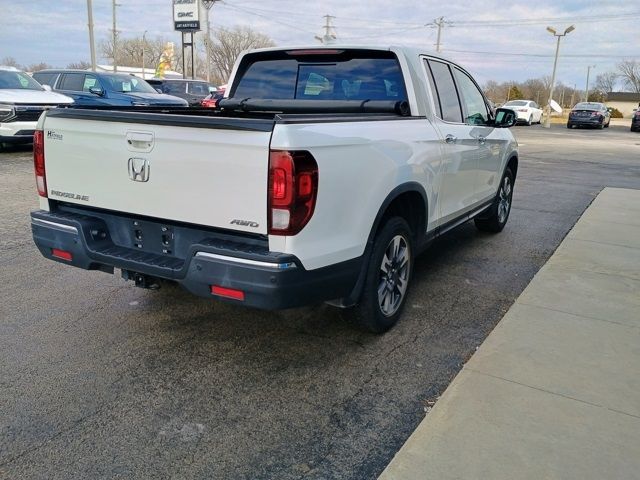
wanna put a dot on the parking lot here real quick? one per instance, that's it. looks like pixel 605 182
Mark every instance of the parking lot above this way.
pixel 101 379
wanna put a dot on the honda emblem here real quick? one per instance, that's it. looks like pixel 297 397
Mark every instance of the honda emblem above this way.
pixel 139 169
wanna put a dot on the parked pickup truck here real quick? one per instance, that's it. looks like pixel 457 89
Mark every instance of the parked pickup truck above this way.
pixel 322 176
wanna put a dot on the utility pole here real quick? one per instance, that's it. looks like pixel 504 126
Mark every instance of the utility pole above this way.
pixel 329 36
pixel 92 43
pixel 586 88
pixel 572 94
pixel 439 22
pixel 207 4
pixel 115 36
pixel 144 44
pixel 547 122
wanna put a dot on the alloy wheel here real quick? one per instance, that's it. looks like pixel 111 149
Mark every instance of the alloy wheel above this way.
pixel 504 202
pixel 394 275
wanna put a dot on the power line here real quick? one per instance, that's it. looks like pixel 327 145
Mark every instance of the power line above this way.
pixel 271 19
pixel 542 55
pixel 542 21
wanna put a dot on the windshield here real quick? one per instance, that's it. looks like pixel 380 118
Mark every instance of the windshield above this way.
pixel 588 106
pixel 126 84
pixel 18 80
pixel 515 103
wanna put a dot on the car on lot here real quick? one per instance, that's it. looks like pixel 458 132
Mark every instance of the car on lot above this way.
pixel 193 91
pixel 589 114
pixel 635 121
pixel 106 89
pixel 22 100
pixel 325 172
pixel 212 100
pixel 528 111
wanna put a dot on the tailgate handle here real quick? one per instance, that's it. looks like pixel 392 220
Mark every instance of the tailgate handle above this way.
pixel 140 140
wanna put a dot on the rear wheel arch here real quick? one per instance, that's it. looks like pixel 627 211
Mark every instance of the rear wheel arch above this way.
pixel 512 164
pixel 407 201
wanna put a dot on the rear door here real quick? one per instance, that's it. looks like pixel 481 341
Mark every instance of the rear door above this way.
pixel 204 171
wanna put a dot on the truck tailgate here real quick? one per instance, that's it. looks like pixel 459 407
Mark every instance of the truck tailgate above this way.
pixel 200 171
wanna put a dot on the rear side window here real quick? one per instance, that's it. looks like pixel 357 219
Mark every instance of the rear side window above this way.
pixel 447 102
pixel 46 78
pixel 198 88
pixel 72 81
pixel 174 87
pixel 347 75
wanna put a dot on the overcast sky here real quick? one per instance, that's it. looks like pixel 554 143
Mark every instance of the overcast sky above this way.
pixel 493 39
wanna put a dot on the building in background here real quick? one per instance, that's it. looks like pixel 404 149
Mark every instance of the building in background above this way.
pixel 626 102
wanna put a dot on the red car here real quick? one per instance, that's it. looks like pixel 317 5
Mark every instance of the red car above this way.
pixel 211 100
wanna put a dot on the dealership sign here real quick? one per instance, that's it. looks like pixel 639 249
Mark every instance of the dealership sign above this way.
pixel 186 15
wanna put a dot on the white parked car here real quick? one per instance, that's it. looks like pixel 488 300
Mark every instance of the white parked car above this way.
pixel 326 171
pixel 528 111
pixel 22 100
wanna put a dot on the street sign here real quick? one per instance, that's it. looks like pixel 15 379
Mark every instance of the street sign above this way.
pixel 186 15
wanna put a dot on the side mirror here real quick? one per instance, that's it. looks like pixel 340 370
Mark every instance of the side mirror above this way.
pixel 47 88
pixel 97 91
pixel 159 90
pixel 505 118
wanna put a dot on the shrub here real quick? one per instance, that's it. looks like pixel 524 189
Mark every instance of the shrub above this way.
pixel 615 113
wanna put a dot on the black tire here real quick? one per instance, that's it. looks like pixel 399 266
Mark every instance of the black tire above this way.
pixel 495 217
pixel 608 123
pixel 601 126
pixel 569 125
pixel 369 313
pixel 530 121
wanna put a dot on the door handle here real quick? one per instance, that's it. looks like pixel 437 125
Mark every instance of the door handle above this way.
pixel 450 139
pixel 482 140
pixel 140 141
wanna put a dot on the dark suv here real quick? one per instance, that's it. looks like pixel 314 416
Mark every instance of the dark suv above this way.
pixel 102 88
pixel 193 91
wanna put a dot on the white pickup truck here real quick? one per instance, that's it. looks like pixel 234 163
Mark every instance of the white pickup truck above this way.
pixel 322 176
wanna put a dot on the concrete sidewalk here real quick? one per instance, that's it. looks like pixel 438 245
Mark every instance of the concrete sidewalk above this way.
pixel 554 391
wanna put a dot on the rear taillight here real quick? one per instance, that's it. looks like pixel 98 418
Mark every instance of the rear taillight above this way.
pixel 522 110
pixel 38 162
pixel 293 188
pixel 595 114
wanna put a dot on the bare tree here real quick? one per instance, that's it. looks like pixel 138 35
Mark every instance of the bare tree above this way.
pixel 492 90
pixel 129 51
pixel 80 65
pixel 630 74
pixel 535 89
pixel 606 82
pixel 227 45
pixel 10 62
pixel 36 67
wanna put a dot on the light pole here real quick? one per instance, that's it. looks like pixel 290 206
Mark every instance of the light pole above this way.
pixel 586 88
pixel 144 43
pixel 92 43
pixel 547 122
pixel 207 45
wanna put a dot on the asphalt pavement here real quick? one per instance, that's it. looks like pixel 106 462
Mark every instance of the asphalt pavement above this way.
pixel 99 379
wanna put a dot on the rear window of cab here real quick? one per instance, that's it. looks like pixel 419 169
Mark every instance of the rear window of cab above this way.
pixel 320 75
